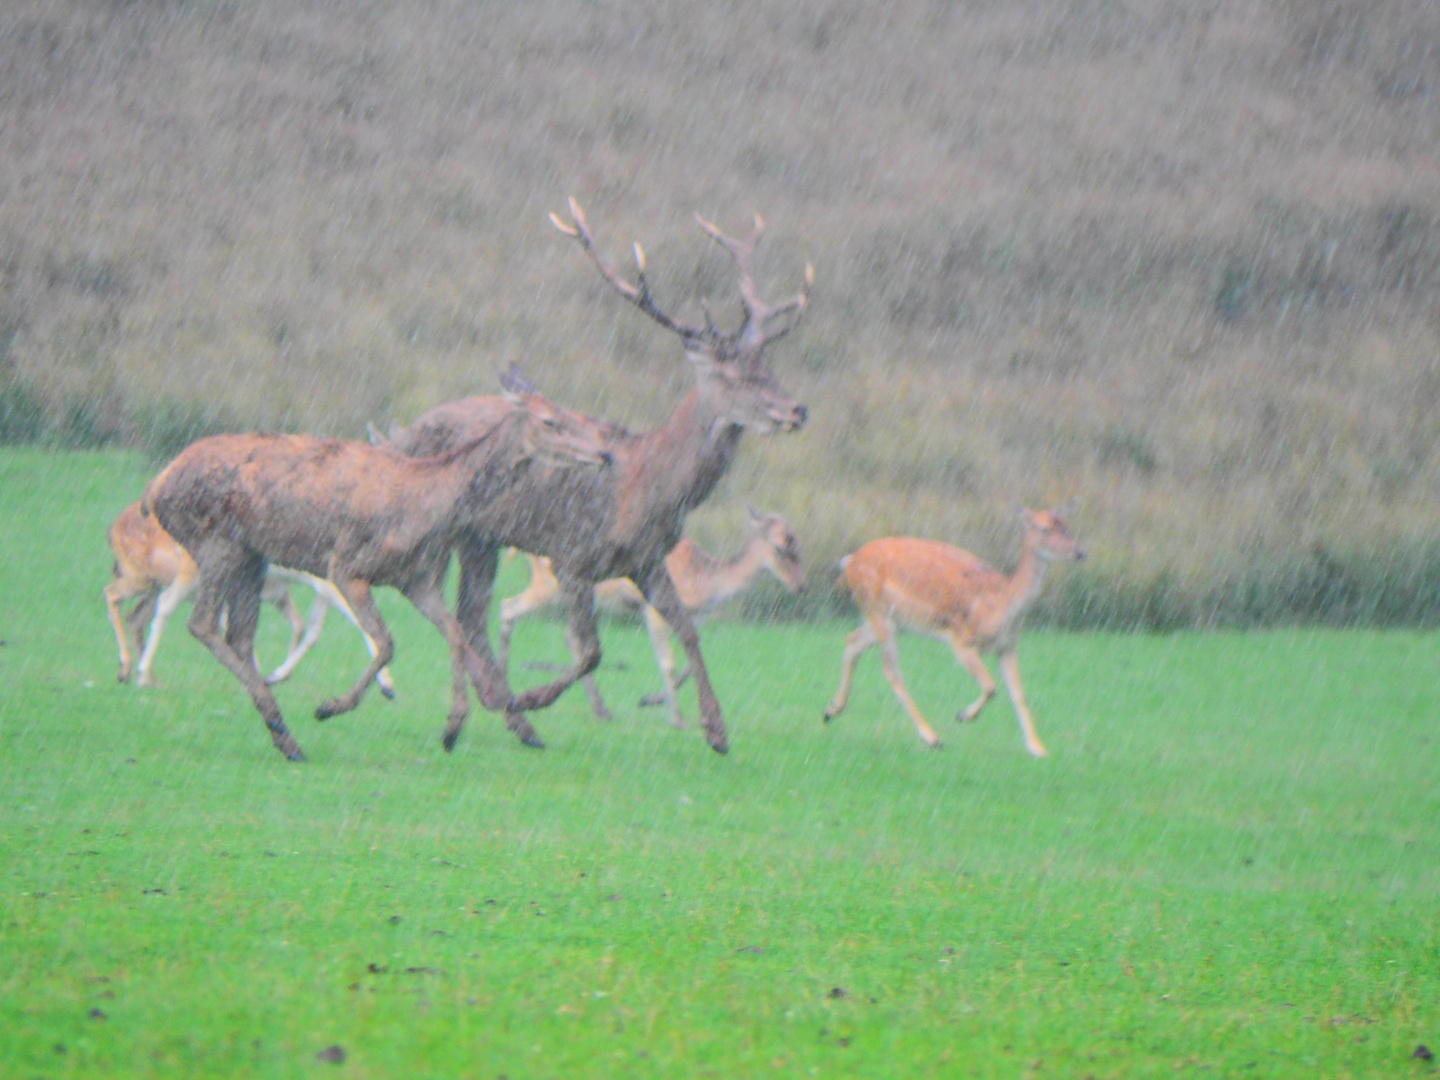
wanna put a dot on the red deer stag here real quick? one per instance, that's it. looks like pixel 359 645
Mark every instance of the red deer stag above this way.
pixel 151 565
pixel 948 593
pixel 702 580
pixel 359 516
pixel 624 521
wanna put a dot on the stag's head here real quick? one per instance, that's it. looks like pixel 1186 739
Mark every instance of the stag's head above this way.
pixel 730 367
pixel 552 434
pixel 782 549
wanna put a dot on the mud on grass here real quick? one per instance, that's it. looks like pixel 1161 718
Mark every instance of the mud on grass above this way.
pixel 1229 862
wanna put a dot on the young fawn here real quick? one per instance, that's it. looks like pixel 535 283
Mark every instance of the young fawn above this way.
pixel 933 588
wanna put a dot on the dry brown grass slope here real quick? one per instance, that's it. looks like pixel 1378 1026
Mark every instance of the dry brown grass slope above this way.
pixel 1180 258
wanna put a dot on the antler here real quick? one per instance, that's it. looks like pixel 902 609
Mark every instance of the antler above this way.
pixel 757 312
pixel 637 295
pixel 752 335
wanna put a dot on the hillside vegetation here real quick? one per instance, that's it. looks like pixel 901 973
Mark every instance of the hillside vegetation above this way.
pixel 1181 259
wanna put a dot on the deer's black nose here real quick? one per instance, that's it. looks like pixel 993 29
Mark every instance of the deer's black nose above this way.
pixel 801 413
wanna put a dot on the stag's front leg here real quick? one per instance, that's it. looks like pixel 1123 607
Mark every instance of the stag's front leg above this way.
pixel 584 640
pixel 478 559
pixel 660 591
pixel 357 594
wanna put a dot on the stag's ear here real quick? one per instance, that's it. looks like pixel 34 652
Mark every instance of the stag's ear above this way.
pixel 514 381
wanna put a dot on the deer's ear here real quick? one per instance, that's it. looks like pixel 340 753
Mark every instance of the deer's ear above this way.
pixel 512 396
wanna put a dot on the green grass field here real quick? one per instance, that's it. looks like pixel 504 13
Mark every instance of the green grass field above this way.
pixel 1230 864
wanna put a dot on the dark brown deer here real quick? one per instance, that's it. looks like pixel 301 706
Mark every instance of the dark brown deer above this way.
pixel 623 522
pixel 702 580
pixel 357 515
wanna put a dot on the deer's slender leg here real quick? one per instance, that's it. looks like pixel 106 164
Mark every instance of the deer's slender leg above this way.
pixel 659 631
pixel 215 589
pixel 1010 671
pixel 970 660
pixel 583 638
pixel 357 594
pixel 138 621
pixel 314 624
pixel 326 597
pixel 856 643
pixel 426 595
pixel 171 597
pixel 890 652
pixel 279 595
pixel 116 593
pixel 478 560
pixel 660 591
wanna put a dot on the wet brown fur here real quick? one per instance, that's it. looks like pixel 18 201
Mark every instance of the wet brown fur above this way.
pixel 355 514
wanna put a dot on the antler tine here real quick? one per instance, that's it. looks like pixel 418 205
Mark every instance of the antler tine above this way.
pixel 756 310
pixel 757 313
pixel 637 295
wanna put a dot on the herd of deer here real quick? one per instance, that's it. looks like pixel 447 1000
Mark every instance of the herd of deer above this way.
pixel 236 520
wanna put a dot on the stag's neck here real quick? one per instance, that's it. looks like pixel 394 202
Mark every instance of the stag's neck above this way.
pixel 677 466
pixel 705 581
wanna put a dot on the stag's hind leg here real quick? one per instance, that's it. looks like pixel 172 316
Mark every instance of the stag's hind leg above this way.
pixel 233 579
pixel 357 594
pixel 583 637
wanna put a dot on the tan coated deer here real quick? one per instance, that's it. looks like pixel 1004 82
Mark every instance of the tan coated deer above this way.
pixel 150 565
pixel 702 580
pixel 358 515
pixel 625 520
pixel 942 591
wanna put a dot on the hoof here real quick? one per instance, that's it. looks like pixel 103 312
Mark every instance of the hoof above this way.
pixel 327 709
pixel 387 692
pixel 449 739
pixel 719 743
pixel 649 701
pixel 827 717
pixel 122 677
pixel 295 755
pixel 533 741
pixel 936 745
pixel 604 714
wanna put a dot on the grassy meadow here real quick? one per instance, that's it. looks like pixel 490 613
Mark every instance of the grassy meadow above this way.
pixel 1229 865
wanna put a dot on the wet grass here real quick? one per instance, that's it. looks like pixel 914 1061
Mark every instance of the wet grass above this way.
pixel 1229 864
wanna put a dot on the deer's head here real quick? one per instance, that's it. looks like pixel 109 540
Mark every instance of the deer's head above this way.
pixel 552 434
pixel 1049 533
pixel 731 369
pixel 781 549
